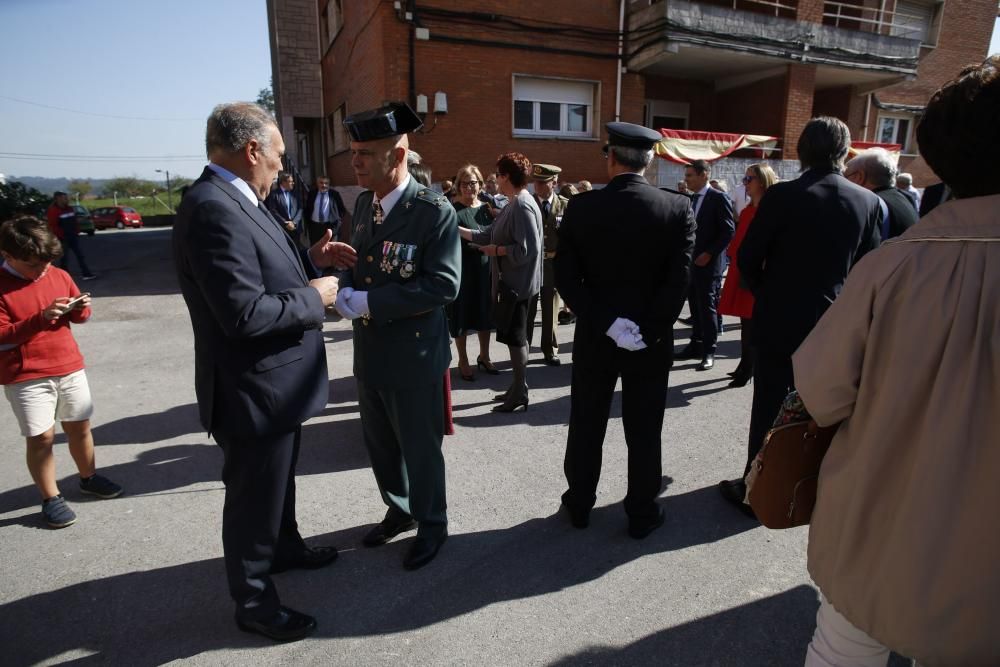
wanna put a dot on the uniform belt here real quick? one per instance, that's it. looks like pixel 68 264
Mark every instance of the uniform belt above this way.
pixel 550 255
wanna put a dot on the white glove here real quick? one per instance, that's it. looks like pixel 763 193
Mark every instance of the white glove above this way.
pixel 357 301
pixel 342 306
pixel 619 326
pixel 626 334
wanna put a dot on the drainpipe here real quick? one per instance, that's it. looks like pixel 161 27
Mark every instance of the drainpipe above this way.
pixel 621 45
pixel 868 115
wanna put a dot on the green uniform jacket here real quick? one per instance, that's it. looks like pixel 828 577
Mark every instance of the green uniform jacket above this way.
pixel 411 266
pixel 550 233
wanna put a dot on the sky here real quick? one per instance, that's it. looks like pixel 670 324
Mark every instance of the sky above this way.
pixel 136 59
pixel 160 67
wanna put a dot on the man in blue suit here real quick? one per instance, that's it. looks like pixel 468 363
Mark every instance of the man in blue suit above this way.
pixel 713 211
pixel 257 306
pixel 284 204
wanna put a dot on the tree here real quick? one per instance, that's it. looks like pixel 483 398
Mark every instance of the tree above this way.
pixel 129 186
pixel 265 97
pixel 16 198
pixel 79 187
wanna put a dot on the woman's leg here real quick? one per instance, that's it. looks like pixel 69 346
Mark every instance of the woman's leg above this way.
pixel 463 356
pixel 484 347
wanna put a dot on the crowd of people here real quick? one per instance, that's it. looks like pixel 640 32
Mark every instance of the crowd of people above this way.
pixel 884 326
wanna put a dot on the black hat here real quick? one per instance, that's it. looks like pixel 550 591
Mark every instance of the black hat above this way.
pixel 391 120
pixel 631 135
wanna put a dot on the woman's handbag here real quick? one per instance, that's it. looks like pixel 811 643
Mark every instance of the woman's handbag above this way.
pixel 781 486
pixel 503 306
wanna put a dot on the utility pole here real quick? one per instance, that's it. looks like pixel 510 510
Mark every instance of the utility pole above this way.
pixel 170 198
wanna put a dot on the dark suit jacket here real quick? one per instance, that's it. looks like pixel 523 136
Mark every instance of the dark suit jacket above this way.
pixel 260 363
pixel 716 228
pixel 337 208
pixel 902 215
pixel 625 251
pixel 275 203
pixel 411 266
pixel 805 237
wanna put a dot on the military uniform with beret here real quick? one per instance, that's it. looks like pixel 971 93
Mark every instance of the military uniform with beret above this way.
pixel 624 255
pixel 548 296
pixel 409 262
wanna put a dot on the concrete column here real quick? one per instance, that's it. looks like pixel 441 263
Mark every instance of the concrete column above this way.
pixel 800 85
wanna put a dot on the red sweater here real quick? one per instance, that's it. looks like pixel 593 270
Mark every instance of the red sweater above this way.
pixel 31 346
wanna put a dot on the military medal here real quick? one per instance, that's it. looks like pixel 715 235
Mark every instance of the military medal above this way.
pixel 407 270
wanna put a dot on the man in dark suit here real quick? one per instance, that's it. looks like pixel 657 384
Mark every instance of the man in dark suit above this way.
pixel 875 170
pixel 284 204
pixel 713 211
pixel 805 237
pixel 626 289
pixel 409 267
pixel 325 210
pixel 552 205
pixel 260 364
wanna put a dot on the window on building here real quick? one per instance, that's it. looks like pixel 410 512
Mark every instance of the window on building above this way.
pixel 336 133
pixel 668 115
pixel 895 130
pixel 331 20
pixel 553 107
pixel 916 19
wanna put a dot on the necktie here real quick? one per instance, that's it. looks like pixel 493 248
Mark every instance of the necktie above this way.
pixel 546 207
pixel 324 207
pixel 377 214
pixel 694 202
pixel 288 203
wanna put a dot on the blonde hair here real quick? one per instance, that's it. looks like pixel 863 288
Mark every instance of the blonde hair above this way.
pixel 471 170
pixel 762 172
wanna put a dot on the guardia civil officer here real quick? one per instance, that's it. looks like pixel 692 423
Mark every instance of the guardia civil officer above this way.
pixel 622 266
pixel 552 205
pixel 408 269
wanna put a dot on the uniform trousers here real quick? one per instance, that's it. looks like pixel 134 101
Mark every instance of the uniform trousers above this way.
pixel 258 518
pixel 550 317
pixel 704 300
pixel 403 430
pixel 644 399
pixel 773 378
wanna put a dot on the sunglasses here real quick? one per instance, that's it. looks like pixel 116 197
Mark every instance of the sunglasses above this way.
pixel 747 179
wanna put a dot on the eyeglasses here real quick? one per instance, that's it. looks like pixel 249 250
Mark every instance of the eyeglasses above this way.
pixel 468 184
pixel 747 179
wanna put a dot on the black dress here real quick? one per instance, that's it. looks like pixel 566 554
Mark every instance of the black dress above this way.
pixel 471 310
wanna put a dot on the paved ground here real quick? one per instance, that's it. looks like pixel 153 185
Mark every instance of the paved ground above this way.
pixel 139 580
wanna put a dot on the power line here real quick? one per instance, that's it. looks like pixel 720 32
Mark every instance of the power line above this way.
pixel 110 157
pixel 99 115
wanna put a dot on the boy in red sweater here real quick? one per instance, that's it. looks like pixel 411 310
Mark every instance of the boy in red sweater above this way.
pixel 41 367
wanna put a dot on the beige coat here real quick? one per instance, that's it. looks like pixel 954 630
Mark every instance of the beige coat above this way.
pixel 905 537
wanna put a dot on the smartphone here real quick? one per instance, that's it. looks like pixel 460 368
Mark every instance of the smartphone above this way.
pixel 75 303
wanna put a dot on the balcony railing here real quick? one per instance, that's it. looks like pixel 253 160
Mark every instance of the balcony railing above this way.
pixel 855 16
pixel 777 8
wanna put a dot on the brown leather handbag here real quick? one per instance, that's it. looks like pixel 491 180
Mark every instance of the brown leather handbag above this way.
pixel 781 485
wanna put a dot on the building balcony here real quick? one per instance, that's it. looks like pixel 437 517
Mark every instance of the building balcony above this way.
pixel 739 39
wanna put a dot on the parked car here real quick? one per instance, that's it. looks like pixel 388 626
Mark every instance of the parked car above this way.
pixel 84 223
pixel 116 216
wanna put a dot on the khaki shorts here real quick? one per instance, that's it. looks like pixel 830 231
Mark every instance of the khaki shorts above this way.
pixel 37 404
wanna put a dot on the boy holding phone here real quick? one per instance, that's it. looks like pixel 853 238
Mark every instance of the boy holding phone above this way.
pixel 41 366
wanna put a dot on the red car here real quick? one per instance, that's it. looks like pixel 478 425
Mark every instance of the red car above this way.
pixel 116 216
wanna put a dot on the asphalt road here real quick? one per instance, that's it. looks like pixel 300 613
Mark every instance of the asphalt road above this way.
pixel 139 580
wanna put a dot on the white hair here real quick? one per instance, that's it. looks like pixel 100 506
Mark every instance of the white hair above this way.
pixel 878 165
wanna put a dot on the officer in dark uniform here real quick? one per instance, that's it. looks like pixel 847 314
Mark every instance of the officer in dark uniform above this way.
pixel 552 206
pixel 626 288
pixel 408 269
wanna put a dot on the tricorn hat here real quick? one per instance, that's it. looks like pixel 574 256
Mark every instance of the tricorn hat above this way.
pixel 391 120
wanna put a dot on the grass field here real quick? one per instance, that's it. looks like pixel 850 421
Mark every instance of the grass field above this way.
pixel 145 206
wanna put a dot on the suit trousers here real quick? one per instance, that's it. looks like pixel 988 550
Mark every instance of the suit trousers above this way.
pixel 258 518
pixel 704 298
pixel 772 380
pixel 644 399
pixel 403 430
pixel 315 230
pixel 550 318
pixel 71 244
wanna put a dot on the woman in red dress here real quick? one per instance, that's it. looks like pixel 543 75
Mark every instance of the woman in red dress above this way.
pixel 736 299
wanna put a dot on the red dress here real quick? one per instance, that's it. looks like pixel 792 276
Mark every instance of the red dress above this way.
pixel 735 299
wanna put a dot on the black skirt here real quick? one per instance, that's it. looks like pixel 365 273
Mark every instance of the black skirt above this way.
pixel 516 335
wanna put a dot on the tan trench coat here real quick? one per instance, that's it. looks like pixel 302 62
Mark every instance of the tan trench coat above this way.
pixel 905 537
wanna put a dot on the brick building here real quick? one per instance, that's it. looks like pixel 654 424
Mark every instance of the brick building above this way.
pixel 543 78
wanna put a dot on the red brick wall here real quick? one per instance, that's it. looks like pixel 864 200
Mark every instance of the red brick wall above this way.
pixel 700 95
pixel 799 91
pixel 752 109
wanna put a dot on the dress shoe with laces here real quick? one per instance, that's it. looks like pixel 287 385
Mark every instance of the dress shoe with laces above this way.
pixel 640 528
pixel 423 550
pixel 285 626
pixel 388 528
pixel 735 491
pixel 312 558
pixel 706 362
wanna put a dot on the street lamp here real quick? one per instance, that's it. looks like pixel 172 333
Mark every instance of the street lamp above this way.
pixel 170 199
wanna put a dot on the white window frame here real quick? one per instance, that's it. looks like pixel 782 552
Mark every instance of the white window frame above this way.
pixel 332 20
pixel 902 21
pixel 337 133
pixel 667 108
pixel 907 142
pixel 553 97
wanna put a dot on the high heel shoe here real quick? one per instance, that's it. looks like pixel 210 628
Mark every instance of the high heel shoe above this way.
pixel 512 406
pixel 486 366
pixel 741 379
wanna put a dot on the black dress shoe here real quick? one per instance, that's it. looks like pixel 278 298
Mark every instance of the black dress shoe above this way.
pixel 423 551
pixel 734 491
pixel 552 361
pixel 686 320
pixel 578 518
pixel 706 362
pixel 311 559
pixel 692 351
pixel 285 626
pixel 566 317
pixel 640 528
pixel 387 529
